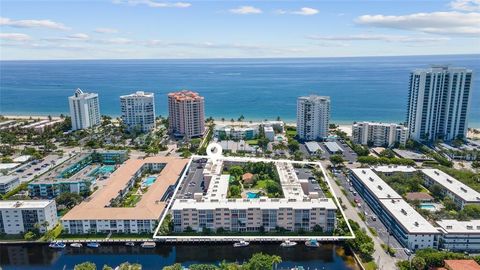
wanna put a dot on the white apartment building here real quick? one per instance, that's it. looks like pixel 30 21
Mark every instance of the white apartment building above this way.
pixel 313 116
pixel 8 182
pixel 138 111
pixel 460 235
pixel 460 193
pixel 438 103
pixel 186 114
pixel 296 211
pixel 18 217
pixel 84 110
pixel 379 134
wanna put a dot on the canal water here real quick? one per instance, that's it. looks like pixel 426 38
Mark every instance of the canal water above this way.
pixel 23 257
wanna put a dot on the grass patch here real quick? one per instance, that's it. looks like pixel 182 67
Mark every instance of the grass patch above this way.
pixel 373 231
pixel 252 142
pixel 371 265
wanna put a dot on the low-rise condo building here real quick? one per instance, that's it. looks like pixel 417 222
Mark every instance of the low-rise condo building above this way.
pixel 235 133
pixel 105 210
pixel 379 134
pixel 391 169
pixel 296 211
pixel 411 229
pixel 78 174
pixel 8 183
pixel 460 235
pixel 460 193
pixel 18 217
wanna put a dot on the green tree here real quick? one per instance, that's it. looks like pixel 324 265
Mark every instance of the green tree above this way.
pixel 202 267
pixel 261 261
pixel 236 171
pixel 85 266
pixel 418 263
pixel 336 159
pixel 293 145
pixel 176 266
pixel 129 266
pixel 29 236
pixel 68 199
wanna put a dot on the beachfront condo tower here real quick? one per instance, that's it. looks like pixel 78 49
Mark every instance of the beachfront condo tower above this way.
pixel 138 111
pixel 186 114
pixel 84 109
pixel 313 116
pixel 438 103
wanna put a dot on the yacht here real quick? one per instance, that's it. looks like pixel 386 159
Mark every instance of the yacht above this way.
pixel 241 244
pixel 58 245
pixel 93 245
pixel 76 245
pixel 288 243
pixel 148 245
pixel 312 243
pixel 130 244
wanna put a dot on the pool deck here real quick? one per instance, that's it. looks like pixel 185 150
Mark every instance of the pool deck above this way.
pixel 149 207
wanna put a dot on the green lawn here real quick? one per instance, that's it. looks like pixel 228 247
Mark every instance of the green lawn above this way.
pixel 252 142
pixel 131 200
pixel 291 133
pixel 262 184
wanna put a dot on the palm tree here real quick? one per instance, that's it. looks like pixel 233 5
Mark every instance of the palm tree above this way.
pixel 276 260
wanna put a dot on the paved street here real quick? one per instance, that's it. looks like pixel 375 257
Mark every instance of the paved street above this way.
pixel 382 259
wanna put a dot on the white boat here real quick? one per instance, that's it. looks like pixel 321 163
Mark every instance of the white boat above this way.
pixel 130 244
pixel 58 245
pixel 148 245
pixel 76 245
pixel 312 243
pixel 93 245
pixel 241 244
pixel 288 243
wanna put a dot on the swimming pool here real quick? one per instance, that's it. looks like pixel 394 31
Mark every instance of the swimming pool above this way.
pixel 149 180
pixel 252 195
pixel 103 170
pixel 428 206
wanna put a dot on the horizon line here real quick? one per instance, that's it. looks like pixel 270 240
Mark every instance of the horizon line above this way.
pixel 236 58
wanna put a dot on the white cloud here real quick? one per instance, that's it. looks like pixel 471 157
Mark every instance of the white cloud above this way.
pixel 79 36
pixel 118 41
pixel 306 11
pixel 32 23
pixel 372 37
pixel 246 10
pixel 153 3
pixel 466 5
pixel 106 30
pixel 15 36
pixel 454 23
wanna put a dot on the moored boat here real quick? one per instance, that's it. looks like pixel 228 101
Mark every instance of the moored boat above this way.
pixel 241 244
pixel 288 243
pixel 312 243
pixel 148 245
pixel 76 245
pixel 130 244
pixel 93 245
pixel 58 245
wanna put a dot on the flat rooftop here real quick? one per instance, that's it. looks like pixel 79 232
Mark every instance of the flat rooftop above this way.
pixel 454 226
pixel 8 178
pixel 407 217
pixel 150 207
pixel 27 204
pixel 375 184
pixel 313 147
pixel 410 155
pixel 333 147
pixel 394 168
pixel 453 185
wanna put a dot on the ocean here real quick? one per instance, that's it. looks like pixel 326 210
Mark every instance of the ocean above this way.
pixel 361 88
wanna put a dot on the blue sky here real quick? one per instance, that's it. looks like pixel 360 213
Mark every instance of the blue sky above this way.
pixel 148 29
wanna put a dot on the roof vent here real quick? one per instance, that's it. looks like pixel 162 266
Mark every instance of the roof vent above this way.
pixel 416 224
pixel 405 212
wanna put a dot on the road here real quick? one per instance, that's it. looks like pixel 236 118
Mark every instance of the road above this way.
pixel 382 259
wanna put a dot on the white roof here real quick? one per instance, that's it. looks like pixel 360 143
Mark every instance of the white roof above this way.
pixel 268 129
pixel 25 204
pixel 455 226
pixel 406 216
pixel 22 159
pixel 394 168
pixel 7 179
pixel 458 188
pixel 333 147
pixel 375 184
pixel 312 146
pixel 218 187
pixel 6 166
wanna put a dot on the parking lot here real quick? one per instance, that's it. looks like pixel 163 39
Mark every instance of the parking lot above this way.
pixel 31 169
pixel 313 186
pixel 371 218
pixel 193 182
pixel 348 154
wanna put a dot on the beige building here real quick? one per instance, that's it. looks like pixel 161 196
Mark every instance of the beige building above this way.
pixel 186 114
